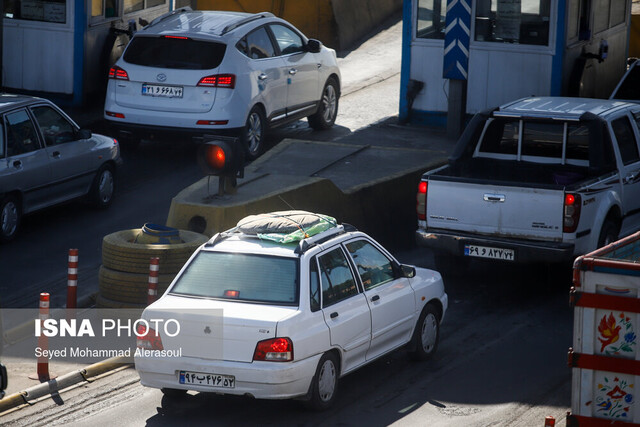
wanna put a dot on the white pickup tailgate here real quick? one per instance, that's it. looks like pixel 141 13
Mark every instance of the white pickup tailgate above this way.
pixel 499 211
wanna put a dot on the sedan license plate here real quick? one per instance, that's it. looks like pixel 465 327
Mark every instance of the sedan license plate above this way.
pixel 489 252
pixel 160 90
pixel 210 380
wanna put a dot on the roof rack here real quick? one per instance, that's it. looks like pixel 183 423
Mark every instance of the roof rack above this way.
pixel 310 242
pixel 169 14
pixel 304 244
pixel 246 20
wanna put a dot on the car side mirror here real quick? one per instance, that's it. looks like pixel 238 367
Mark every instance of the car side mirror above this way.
pixel 84 134
pixel 408 271
pixel 3 379
pixel 313 46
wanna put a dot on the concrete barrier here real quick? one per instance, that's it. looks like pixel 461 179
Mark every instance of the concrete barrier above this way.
pixel 337 23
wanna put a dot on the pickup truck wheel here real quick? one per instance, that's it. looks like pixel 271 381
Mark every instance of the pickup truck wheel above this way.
pixel 324 385
pixel 427 334
pixel 608 233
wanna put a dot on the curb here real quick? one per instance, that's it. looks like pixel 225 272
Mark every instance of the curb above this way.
pixel 28 396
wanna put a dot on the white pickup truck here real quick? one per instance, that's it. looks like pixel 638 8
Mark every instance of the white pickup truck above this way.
pixel 541 179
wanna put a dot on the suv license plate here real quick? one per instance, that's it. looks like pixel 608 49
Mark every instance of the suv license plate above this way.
pixel 210 380
pixel 159 90
pixel 489 252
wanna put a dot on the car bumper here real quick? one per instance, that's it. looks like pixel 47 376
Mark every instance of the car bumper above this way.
pixel 127 130
pixel 525 251
pixel 262 380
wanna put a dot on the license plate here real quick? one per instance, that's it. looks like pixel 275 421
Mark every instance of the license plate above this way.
pixel 160 90
pixel 489 252
pixel 210 380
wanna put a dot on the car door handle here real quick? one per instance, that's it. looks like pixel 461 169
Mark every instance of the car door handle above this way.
pixel 334 315
pixel 490 197
pixel 17 164
pixel 375 298
pixel 292 71
pixel 262 76
pixel 319 64
pixel 55 154
pixel 630 178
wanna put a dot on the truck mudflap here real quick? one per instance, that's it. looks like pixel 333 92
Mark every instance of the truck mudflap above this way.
pixel 605 353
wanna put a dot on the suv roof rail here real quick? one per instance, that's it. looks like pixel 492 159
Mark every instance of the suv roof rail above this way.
pixel 246 20
pixel 168 14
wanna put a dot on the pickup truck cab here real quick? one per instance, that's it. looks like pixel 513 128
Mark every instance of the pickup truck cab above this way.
pixel 541 179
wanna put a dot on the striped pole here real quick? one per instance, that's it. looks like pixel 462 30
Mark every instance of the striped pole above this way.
pixel 43 341
pixel 154 267
pixel 72 279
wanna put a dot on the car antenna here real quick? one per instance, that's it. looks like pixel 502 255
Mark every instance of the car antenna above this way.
pixel 286 203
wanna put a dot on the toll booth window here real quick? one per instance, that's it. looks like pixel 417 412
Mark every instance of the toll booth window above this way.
pixel 431 19
pixel 103 8
pixel 609 14
pixel 30 10
pixel 135 5
pixel 513 21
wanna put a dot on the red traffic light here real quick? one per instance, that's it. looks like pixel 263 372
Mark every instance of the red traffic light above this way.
pixel 221 156
pixel 215 156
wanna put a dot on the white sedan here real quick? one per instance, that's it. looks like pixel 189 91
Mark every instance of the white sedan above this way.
pixel 252 313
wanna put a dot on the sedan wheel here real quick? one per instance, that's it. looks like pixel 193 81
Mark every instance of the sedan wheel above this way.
pixel 325 383
pixel 427 334
pixel 327 112
pixel 103 187
pixel 9 218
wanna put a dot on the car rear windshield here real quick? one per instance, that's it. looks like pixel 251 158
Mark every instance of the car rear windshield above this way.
pixel 178 53
pixel 245 277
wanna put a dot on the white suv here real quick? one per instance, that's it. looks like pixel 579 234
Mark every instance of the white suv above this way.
pixel 211 72
pixel 266 311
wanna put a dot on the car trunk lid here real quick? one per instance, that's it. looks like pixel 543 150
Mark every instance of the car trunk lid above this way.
pixel 216 330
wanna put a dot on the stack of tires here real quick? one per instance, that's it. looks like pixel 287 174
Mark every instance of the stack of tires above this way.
pixel 124 273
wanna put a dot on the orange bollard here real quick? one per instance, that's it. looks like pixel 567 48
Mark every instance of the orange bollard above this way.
pixel 43 341
pixel 154 267
pixel 72 279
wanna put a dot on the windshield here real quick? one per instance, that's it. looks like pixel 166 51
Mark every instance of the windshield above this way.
pixel 246 277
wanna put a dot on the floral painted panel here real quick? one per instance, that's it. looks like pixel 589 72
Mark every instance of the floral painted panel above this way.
pixel 614 396
pixel 615 334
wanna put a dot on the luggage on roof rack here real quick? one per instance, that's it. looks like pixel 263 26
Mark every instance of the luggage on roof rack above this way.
pixel 286 226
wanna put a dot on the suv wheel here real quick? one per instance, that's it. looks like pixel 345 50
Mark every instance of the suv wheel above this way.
pixel 327 112
pixel 253 133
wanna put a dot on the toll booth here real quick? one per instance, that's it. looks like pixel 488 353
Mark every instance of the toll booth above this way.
pixel 479 54
pixel 62 49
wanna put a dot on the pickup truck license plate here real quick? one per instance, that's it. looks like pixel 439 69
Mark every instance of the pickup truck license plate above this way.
pixel 159 90
pixel 489 252
pixel 210 380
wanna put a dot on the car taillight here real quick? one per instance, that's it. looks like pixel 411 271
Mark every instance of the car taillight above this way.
pixel 219 80
pixel 274 350
pixel 421 200
pixel 118 73
pixel 148 338
pixel 572 204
